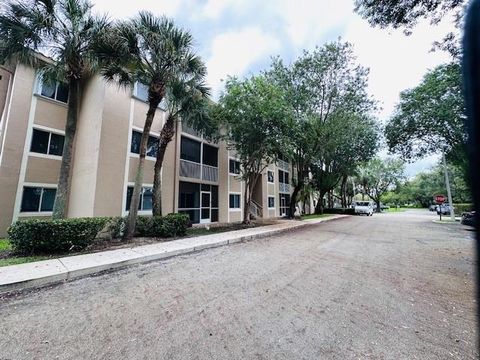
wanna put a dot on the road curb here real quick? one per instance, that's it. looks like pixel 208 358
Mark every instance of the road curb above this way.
pixel 49 272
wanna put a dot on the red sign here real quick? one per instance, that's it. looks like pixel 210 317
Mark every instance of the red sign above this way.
pixel 439 199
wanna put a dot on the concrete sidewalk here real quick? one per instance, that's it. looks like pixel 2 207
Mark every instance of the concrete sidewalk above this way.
pixel 41 273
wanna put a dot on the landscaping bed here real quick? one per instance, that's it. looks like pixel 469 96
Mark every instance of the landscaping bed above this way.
pixel 9 257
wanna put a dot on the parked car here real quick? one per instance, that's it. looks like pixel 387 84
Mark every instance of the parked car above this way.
pixel 468 218
pixel 384 207
pixel 444 209
pixel 363 207
pixel 432 207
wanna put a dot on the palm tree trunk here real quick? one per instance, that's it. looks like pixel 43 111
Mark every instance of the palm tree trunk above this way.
pixel 137 188
pixel 166 136
pixel 63 188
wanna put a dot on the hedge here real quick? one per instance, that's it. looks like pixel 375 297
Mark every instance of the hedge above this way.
pixel 461 208
pixel 49 236
pixel 167 226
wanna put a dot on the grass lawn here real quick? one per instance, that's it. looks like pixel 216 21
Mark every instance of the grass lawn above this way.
pixel 6 258
pixel 394 209
pixel 315 216
pixel 5 245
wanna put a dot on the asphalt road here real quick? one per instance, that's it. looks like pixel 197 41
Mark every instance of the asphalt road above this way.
pixel 391 286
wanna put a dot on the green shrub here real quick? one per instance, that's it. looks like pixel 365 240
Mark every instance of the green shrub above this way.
pixel 116 227
pixel 166 226
pixel 461 208
pixel 175 224
pixel 35 236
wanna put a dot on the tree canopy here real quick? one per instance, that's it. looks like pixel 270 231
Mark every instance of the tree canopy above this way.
pixel 255 117
pixel 332 127
pixel 430 117
pixel 378 176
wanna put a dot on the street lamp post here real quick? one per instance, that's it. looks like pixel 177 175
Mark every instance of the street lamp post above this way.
pixel 447 183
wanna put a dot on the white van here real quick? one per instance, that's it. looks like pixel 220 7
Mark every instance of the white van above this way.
pixel 363 207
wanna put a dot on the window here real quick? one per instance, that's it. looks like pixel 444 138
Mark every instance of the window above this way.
pixel 234 167
pixel 146 198
pixel 190 150
pixel 234 201
pixel 271 202
pixel 37 199
pixel 141 91
pixel 210 155
pixel 45 142
pixel 54 90
pixel 152 145
pixel 270 178
pixel 283 177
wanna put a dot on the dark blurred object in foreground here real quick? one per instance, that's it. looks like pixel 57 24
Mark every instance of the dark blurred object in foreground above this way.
pixel 471 73
pixel 468 218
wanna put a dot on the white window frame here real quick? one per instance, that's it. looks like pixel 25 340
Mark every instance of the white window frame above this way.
pixel 268 204
pixel 140 212
pixel 161 106
pixel 236 160
pixel 240 201
pixel 140 130
pixel 273 172
pixel 50 131
pixel 36 213
pixel 39 89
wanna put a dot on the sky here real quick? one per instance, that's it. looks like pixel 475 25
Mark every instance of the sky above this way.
pixel 239 37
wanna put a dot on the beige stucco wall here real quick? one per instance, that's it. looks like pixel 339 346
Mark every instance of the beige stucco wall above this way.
pixel 15 133
pixel 50 113
pixel 223 183
pixel 41 170
pixel 140 113
pixel 114 146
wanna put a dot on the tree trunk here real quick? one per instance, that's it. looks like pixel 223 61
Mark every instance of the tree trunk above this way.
pixel 344 191
pixel 63 188
pixel 378 206
pixel 319 206
pixel 137 188
pixel 166 135
pixel 249 187
pixel 293 201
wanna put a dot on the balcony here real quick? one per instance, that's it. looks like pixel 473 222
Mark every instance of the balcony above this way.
pixel 283 165
pixel 284 188
pixel 188 130
pixel 190 169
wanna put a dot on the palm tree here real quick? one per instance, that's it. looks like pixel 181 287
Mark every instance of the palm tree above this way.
pixel 188 100
pixel 65 31
pixel 154 52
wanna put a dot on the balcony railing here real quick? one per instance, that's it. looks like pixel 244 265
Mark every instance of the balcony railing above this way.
pixel 190 169
pixel 209 173
pixel 195 170
pixel 283 165
pixel 187 129
pixel 285 188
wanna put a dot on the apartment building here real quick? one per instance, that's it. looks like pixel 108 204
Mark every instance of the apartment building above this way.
pixel 199 178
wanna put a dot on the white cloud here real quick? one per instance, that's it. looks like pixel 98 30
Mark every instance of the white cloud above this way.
pixel 308 20
pixel 127 9
pixel 233 52
pixel 214 8
pixel 397 62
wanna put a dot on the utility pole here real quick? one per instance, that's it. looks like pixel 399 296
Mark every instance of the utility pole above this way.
pixel 447 182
